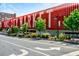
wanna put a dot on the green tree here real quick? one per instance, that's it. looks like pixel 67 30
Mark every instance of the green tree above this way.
pixel 40 24
pixel 72 21
pixel 24 27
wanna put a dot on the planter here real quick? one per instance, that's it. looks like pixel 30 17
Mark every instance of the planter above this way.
pixel 12 34
pixel 34 39
pixel 44 38
pixel 72 41
pixel 20 34
pixel 38 38
pixel 52 38
pixel 27 36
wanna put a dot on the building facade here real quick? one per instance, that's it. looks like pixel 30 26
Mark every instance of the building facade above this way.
pixel 6 16
pixel 53 17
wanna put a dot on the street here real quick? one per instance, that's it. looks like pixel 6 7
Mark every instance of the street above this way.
pixel 13 46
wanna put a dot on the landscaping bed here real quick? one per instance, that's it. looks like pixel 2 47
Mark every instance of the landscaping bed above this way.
pixel 39 32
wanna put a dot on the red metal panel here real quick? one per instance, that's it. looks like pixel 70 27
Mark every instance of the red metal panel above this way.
pixel 74 6
pixel 31 21
pixel 9 23
pixel 45 16
pixel 37 15
pixel 26 18
pixel 3 24
pixel 14 22
pixel 78 6
pixel 53 22
pixel 34 17
pixel 71 8
pixel 60 18
pixel 18 21
pixel 22 19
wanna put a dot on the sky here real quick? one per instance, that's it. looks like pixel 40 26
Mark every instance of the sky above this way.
pixel 25 8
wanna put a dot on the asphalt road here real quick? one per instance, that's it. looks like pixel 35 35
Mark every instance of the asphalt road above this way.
pixel 12 46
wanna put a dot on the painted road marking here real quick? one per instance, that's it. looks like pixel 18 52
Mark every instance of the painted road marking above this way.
pixel 51 48
pixel 75 53
pixel 25 47
pixel 24 52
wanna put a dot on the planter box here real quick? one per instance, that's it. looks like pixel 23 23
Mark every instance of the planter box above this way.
pixel 72 41
pixel 20 34
pixel 37 38
pixel 12 34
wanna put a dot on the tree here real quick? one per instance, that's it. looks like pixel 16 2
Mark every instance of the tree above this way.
pixel 40 24
pixel 72 21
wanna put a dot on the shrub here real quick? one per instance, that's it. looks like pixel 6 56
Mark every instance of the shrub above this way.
pixel 40 24
pixel 9 31
pixel 52 38
pixel 45 35
pixel 68 37
pixel 39 35
pixel 61 37
pixel 20 34
pixel 24 27
pixel 27 35
pixel 0 28
pixel 34 35
pixel 13 29
pixel 71 22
